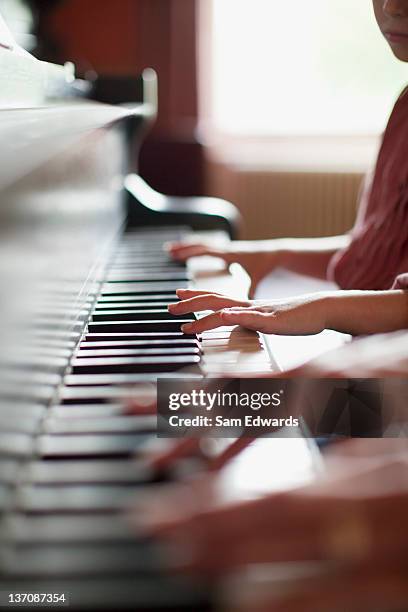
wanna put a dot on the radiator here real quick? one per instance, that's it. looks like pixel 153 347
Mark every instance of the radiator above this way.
pixel 277 204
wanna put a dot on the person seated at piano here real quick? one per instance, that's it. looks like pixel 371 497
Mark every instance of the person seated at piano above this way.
pixel 368 264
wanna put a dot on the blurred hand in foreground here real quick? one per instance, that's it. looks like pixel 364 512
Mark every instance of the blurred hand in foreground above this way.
pixel 354 517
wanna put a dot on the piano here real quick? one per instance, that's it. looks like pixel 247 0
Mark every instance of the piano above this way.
pixel 83 321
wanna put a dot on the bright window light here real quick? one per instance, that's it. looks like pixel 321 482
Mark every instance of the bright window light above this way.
pixel 300 67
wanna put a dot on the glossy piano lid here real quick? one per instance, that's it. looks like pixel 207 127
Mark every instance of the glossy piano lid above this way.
pixel 33 127
pixel 31 137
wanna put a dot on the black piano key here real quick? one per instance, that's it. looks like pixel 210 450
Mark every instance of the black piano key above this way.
pixel 151 242
pixel 148 276
pixel 129 257
pixel 130 315
pixel 91 395
pixel 101 307
pixel 138 266
pixel 128 380
pixel 118 337
pixel 134 244
pixel 109 289
pixel 138 345
pixel 101 425
pixel 153 254
pixel 151 239
pixel 114 471
pixel 151 298
pixel 109 445
pixel 164 233
pixel 137 326
pixel 136 352
pixel 132 250
pixel 117 365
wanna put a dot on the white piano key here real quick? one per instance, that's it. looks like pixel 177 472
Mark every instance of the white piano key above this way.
pixel 74 498
pixel 117 471
pixel 115 424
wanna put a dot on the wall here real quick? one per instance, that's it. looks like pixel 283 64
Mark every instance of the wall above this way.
pixel 278 204
pixel 124 37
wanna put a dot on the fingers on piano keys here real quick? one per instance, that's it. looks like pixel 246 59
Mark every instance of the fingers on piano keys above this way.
pixel 68 471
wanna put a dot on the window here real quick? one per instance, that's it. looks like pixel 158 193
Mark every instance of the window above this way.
pixel 304 67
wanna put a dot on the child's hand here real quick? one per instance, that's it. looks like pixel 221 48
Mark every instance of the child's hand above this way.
pixel 345 520
pixel 257 258
pixel 302 315
pixel 350 312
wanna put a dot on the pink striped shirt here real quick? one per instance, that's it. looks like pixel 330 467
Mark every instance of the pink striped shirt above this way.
pixel 377 257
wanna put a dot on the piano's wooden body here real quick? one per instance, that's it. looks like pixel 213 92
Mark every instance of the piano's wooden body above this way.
pixel 81 240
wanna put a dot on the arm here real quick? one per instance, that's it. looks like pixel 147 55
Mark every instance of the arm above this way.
pixel 367 312
pixel 310 256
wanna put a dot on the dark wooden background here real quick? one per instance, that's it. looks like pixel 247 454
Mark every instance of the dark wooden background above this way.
pixel 123 37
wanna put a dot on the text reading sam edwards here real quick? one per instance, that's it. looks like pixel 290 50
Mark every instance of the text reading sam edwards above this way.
pixel 221 408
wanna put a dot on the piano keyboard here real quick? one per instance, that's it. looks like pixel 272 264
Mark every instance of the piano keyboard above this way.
pixel 71 455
